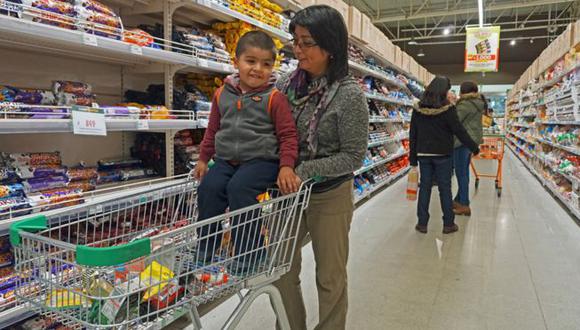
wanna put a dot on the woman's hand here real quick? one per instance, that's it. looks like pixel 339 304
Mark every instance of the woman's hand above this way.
pixel 200 170
pixel 288 181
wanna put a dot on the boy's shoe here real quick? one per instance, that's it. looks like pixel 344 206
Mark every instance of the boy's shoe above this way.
pixel 450 229
pixel 462 210
pixel 421 229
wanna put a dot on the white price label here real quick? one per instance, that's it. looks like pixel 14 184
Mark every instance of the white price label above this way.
pixel 203 63
pixel 89 122
pixel 90 39
pixel 137 50
pixel 142 125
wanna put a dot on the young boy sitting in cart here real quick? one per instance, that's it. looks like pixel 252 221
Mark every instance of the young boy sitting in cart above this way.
pixel 253 140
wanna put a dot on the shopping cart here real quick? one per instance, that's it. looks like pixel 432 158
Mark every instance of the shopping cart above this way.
pixel 135 262
pixel 492 148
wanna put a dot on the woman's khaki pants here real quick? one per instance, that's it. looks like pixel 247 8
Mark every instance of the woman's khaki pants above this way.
pixel 327 219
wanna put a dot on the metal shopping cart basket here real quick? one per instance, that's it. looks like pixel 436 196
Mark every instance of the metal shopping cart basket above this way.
pixel 491 149
pixel 142 261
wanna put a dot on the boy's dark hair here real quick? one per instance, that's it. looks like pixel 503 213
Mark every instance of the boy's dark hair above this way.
pixel 258 39
pixel 468 87
pixel 328 29
pixel 435 95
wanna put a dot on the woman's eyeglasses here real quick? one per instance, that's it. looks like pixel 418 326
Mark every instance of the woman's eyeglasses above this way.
pixel 303 44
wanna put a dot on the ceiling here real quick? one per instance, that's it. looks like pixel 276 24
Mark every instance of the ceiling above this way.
pixel 531 23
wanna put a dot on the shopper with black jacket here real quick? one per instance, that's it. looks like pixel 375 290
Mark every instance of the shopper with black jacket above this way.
pixel 433 127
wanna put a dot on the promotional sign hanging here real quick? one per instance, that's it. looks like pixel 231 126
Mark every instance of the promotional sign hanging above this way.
pixel 482 49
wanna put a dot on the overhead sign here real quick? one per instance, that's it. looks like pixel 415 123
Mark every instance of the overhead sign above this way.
pixel 482 49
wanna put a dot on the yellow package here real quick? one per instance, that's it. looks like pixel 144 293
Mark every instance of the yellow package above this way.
pixel 63 299
pixel 155 277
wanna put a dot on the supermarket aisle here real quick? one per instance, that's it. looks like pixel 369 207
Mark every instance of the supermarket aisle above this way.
pixel 514 265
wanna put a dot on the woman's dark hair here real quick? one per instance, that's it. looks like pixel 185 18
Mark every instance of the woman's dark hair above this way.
pixel 435 95
pixel 468 87
pixel 328 29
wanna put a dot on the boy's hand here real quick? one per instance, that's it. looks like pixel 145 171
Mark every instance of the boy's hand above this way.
pixel 288 181
pixel 200 170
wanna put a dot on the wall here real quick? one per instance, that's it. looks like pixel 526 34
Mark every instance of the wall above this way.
pixel 508 74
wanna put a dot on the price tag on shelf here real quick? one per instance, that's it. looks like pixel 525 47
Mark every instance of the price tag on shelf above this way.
pixel 203 63
pixel 90 40
pixel 88 121
pixel 142 124
pixel 136 50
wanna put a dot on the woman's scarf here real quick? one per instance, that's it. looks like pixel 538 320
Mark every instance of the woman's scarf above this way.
pixel 301 92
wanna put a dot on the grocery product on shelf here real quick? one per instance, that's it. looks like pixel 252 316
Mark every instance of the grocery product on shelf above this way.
pixel 186 149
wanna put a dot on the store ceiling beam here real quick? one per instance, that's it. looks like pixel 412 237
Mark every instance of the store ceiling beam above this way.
pixel 518 29
pixel 465 11
pixel 496 22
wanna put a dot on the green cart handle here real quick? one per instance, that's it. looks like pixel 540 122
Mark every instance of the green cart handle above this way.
pixel 86 255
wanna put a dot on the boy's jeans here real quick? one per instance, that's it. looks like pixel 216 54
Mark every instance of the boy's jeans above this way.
pixel 461 158
pixel 441 166
pixel 236 186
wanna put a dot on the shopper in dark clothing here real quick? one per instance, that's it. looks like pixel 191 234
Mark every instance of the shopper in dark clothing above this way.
pixel 470 109
pixel 433 127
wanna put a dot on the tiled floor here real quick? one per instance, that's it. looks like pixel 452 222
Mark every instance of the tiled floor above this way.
pixel 515 264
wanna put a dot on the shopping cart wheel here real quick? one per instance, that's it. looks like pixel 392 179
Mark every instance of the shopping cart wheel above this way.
pixel 498 192
pixel 476 183
pixel 496 185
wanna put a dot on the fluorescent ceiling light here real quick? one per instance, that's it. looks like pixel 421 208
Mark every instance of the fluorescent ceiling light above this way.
pixel 480 10
pixel 447 31
pixel 513 42
pixel 413 42
pixel 421 53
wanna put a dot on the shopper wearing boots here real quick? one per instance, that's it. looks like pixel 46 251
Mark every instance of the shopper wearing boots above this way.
pixel 470 109
pixel 332 117
pixel 433 126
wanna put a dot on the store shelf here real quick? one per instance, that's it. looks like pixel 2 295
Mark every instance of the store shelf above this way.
pixel 522 137
pixel 558 122
pixel 557 79
pixel 575 151
pixel 389 140
pixel 522 125
pixel 522 148
pixel 525 115
pixel 215 10
pixel 380 185
pixel 15 315
pixel 23 34
pixel 526 164
pixel 106 193
pixel 368 71
pixel 385 99
pixel 379 163
pixel 382 119
pixel 22 126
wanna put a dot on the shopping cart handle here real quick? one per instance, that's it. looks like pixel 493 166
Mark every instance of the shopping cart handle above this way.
pixel 31 225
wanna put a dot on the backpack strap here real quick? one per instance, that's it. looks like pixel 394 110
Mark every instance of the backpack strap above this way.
pixel 270 100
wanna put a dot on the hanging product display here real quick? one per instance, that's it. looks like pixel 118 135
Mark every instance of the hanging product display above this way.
pixel 482 49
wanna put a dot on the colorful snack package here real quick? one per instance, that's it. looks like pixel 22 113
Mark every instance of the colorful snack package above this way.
pixel 4 244
pixel 8 175
pixel 6 259
pixel 11 190
pixel 71 87
pixel 31 172
pixel 48 113
pixel 66 299
pixel 118 163
pixel 166 297
pixel 82 173
pixel 14 206
pixel 85 185
pixel 69 99
pixel 7 93
pixel 55 198
pixel 138 37
pixel 109 176
pixel 46 183
pixel 34 96
pixel 95 6
pixel 136 174
pixel 35 158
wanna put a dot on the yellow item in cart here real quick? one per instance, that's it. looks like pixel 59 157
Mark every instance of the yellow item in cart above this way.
pixel 63 299
pixel 155 277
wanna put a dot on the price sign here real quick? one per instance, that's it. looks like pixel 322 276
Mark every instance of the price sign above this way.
pixel 136 50
pixel 142 125
pixel 90 40
pixel 88 121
